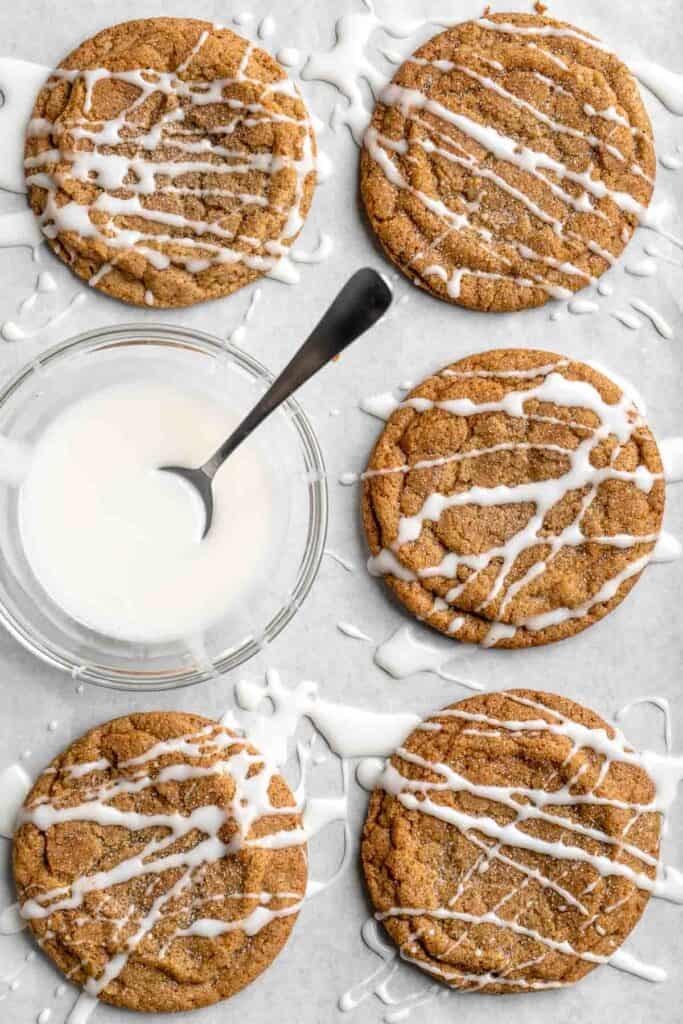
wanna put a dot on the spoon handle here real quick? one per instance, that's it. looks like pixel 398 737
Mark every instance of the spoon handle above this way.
pixel 360 303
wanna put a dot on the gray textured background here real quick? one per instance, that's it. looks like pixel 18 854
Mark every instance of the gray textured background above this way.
pixel 637 650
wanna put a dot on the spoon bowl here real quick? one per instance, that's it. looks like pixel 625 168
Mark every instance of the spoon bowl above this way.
pixel 361 302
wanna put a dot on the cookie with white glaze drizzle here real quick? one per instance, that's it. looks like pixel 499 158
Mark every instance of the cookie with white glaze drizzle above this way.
pixel 512 843
pixel 514 498
pixel 160 862
pixel 509 160
pixel 169 160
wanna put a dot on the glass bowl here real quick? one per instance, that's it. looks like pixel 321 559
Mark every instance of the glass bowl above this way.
pixel 295 471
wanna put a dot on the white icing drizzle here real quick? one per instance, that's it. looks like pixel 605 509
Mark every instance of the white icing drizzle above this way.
pixel 671 450
pixel 667 549
pixel 393 56
pixel 319 254
pixel 350 732
pixel 402 655
pixel 505 148
pixel 378 982
pixel 238 336
pixel 529 806
pixel 346 66
pixel 368 772
pixel 251 802
pixel 266 27
pixel 14 787
pixel 20 83
pixel 324 167
pixel 339 559
pixel 508 28
pixel 113 170
pixel 582 307
pixel 13 331
pixel 348 629
pixel 656 319
pixel 641 268
pixel 44 284
pixel 377 145
pixel 627 386
pixel 662 704
pixel 289 56
pixel 11 920
pixel 494 86
pixel 666 85
pixel 381 406
pixel 618 420
pixel 627 319
pixel 82 1009
pixel 671 161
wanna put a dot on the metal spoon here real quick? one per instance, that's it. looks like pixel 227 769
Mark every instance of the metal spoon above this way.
pixel 360 303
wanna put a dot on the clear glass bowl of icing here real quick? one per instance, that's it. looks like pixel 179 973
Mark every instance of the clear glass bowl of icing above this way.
pixel 294 471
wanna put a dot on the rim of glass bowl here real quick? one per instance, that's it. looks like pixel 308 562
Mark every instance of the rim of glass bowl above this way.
pixel 189 338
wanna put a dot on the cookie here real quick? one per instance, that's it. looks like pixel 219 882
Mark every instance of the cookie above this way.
pixel 509 160
pixel 511 844
pixel 169 160
pixel 514 498
pixel 160 863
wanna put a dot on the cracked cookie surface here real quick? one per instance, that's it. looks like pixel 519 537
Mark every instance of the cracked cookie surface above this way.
pixel 510 844
pixel 160 862
pixel 514 498
pixel 169 161
pixel 508 161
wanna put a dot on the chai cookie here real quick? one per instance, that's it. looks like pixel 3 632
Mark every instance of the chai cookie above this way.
pixel 514 498
pixel 512 845
pixel 169 160
pixel 160 863
pixel 509 160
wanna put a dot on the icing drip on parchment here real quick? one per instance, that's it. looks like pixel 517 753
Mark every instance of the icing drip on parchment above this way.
pixel 671 161
pixel 20 83
pixel 14 787
pixel 619 421
pixel 381 406
pixel 500 842
pixel 346 65
pixel 671 449
pixel 350 630
pixel 402 655
pixel 239 334
pixel 350 732
pixel 10 980
pixel 15 330
pixel 666 85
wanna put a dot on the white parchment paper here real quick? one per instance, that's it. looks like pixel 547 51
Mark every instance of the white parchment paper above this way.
pixel 636 650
